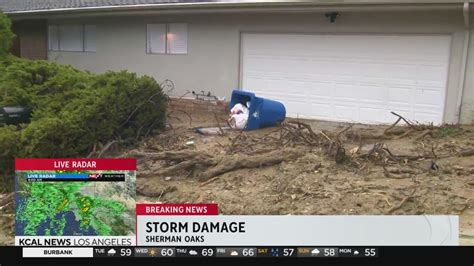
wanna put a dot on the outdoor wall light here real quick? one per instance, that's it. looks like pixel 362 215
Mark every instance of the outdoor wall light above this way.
pixel 332 16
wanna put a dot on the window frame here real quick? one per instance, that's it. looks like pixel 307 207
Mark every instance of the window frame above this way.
pixel 166 45
pixel 84 47
pixel 147 47
pixel 82 39
pixel 56 29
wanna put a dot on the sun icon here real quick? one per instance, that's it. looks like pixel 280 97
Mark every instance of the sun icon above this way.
pixel 152 252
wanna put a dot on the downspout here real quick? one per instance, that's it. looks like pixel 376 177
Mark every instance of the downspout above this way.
pixel 462 78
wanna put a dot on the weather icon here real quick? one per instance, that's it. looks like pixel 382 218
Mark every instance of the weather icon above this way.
pixel 274 252
pixel 193 252
pixel 234 253
pixel 152 252
pixel 315 251
pixel 111 252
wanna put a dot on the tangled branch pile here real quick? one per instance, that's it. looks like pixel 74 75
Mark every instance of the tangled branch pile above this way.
pixel 290 141
pixel 291 134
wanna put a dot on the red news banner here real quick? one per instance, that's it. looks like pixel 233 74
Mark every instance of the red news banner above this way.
pixel 75 164
pixel 177 209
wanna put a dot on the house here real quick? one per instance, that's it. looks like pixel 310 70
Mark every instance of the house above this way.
pixel 351 60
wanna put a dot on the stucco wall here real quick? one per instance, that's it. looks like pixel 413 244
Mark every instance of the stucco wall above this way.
pixel 212 62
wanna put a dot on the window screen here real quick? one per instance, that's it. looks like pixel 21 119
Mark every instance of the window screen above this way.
pixel 89 38
pixel 167 38
pixel 71 38
pixel 177 38
pixel 156 38
pixel 53 38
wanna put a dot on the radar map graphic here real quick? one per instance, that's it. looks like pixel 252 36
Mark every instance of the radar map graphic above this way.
pixel 74 208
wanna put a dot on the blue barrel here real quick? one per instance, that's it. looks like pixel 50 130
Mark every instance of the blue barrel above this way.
pixel 262 113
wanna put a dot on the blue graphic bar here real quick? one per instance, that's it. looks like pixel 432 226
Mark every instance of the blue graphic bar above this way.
pixel 58 175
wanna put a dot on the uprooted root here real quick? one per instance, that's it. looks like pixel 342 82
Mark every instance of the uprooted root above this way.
pixel 411 128
pixel 209 166
pixel 291 134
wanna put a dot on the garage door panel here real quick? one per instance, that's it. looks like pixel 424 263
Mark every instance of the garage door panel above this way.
pixel 355 78
pixel 278 86
pixel 260 86
pixel 346 92
pixel 428 97
pixel 321 89
pixel 300 108
pixel 370 115
pixel 432 74
pixel 397 106
pixel 324 111
pixel 374 93
pixel 345 112
pixel 403 72
pixel 400 95
pixel 291 89
pixel 372 71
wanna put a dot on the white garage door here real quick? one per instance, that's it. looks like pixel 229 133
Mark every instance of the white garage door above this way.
pixel 354 78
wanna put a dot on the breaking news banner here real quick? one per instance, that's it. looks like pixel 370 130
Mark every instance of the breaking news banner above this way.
pixel 75 202
pixel 200 225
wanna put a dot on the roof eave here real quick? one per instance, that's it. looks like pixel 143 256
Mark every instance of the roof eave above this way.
pixel 266 5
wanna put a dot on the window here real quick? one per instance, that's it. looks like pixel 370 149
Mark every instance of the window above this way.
pixel 89 38
pixel 74 38
pixel 156 38
pixel 177 38
pixel 53 38
pixel 167 38
pixel 70 38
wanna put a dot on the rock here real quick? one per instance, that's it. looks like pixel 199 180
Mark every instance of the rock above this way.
pixel 168 178
pixel 189 143
pixel 366 148
pixel 354 150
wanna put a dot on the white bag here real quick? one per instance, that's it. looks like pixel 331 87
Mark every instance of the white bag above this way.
pixel 238 121
pixel 239 109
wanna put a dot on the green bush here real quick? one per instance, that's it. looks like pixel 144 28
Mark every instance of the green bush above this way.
pixel 73 110
pixel 9 136
pixel 6 35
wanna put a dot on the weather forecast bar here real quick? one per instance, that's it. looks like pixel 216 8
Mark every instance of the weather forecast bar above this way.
pixel 238 252
pixel 75 164
pixel 196 252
